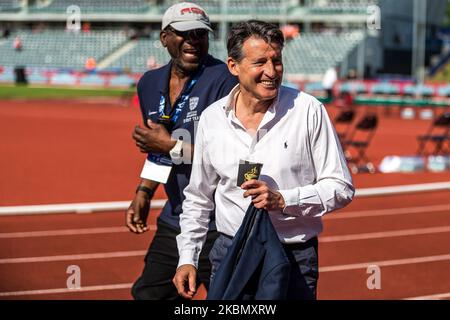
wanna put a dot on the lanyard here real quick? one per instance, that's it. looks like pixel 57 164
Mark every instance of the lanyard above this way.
pixel 183 99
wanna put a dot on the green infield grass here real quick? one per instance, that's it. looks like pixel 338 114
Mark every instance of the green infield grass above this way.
pixel 32 92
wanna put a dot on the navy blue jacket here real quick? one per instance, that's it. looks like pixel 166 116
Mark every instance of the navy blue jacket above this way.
pixel 256 266
pixel 214 82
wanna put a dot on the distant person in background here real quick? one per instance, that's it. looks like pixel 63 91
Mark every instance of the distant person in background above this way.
pixel 6 32
pixel 17 44
pixel 329 79
pixel 352 75
pixel 151 63
pixel 290 31
pixel 91 64
pixel 86 27
pixel 171 100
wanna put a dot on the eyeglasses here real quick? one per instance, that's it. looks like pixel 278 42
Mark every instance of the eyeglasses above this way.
pixel 190 34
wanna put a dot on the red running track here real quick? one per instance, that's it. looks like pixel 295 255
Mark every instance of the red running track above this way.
pixel 72 152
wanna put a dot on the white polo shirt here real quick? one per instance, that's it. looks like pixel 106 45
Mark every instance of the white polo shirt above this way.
pixel 301 157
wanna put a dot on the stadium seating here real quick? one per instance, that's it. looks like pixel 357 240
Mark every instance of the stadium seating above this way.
pixel 307 54
pixel 10 5
pixel 315 53
pixel 135 60
pixel 340 6
pixel 60 49
pixel 259 7
pixel 97 6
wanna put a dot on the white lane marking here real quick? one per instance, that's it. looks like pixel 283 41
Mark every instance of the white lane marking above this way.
pixel 385 263
pixel 158 204
pixel 347 237
pixel 322 269
pixel 87 207
pixel 67 232
pixel 99 255
pixel 386 212
pixel 431 297
pixel 410 188
pixel 385 234
pixel 66 290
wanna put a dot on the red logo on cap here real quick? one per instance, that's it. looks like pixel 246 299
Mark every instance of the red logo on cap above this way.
pixel 193 10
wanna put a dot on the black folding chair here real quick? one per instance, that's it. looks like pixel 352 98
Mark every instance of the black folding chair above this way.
pixel 357 143
pixel 437 136
pixel 342 123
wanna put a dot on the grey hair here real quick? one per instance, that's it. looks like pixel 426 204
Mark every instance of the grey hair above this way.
pixel 244 30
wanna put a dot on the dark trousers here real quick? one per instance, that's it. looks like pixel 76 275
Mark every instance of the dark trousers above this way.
pixel 155 282
pixel 329 94
pixel 304 265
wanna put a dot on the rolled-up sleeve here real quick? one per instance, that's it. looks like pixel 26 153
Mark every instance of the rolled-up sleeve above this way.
pixel 199 202
pixel 333 188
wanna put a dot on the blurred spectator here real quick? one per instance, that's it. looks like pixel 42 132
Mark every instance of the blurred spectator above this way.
pixel 86 27
pixel 290 31
pixel 352 75
pixel 151 63
pixel 91 64
pixel 329 79
pixel 17 44
pixel 6 32
pixel 132 34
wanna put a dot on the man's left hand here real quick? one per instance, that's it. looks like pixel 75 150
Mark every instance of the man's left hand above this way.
pixel 155 138
pixel 262 196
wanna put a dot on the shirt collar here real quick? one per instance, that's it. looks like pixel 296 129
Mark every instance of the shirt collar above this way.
pixel 229 106
pixel 163 86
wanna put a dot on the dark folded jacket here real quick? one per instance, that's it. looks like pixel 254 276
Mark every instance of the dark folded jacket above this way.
pixel 256 266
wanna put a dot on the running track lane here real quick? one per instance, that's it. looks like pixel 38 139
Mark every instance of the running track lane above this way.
pixel 411 264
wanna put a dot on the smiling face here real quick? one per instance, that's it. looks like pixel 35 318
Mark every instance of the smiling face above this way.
pixel 260 71
pixel 187 49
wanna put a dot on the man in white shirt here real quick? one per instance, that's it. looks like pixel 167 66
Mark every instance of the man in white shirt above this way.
pixel 304 173
pixel 329 79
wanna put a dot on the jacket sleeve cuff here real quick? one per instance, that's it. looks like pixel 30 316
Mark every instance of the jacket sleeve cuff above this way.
pixel 155 172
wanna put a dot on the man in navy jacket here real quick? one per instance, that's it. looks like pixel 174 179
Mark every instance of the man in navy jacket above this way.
pixel 171 100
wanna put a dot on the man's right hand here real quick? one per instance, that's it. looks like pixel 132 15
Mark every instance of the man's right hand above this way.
pixel 185 280
pixel 137 213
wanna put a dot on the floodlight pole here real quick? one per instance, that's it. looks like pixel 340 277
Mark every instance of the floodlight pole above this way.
pixel 418 46
pixel 224 21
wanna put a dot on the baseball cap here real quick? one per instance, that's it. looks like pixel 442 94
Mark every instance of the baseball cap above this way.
pixel 186 16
